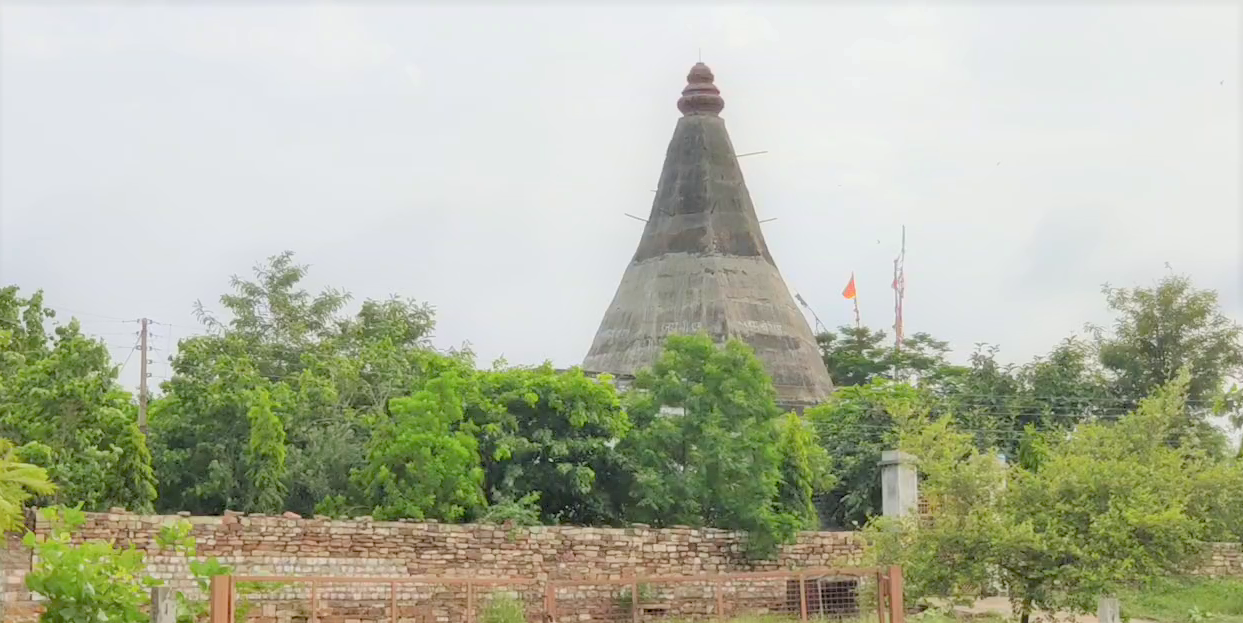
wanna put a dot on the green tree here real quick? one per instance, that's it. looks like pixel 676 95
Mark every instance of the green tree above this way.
pixel 1114 504
pixel 553 434
pixel 328 375
pixel 424 462
pixel 859 355
pixel 703 450
pixel 1158 331
pixel 265 455
pixel 61 405
pixel 805 470
pixel 19 482
pixel 996 402
pixel 854 426
pixel 92 581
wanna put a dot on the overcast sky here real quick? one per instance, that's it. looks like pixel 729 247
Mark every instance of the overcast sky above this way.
pixel 482 159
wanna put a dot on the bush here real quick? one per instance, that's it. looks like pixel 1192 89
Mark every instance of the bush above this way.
pixel 85 583
pixel 503 608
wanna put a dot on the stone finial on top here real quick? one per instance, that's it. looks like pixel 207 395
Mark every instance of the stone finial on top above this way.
pixel 700 97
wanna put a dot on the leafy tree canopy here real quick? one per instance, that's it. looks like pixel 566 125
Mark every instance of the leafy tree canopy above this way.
pixel 1114 504
pixel 268 409
pixel 553 434
pixel 704 450
pixel 60 403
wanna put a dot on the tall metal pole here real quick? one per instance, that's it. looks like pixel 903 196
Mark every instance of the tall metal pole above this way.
pixel 142 378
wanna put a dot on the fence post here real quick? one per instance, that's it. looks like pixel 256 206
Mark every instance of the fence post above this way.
pixel 470 602
pixel 802 596
pixel 392 597
pixel 634 600
pixel 163 605
pixel 718 587
pixel 882 585
pixel 1108 610
pixel 550 602
pixel 314 602
pixel 897 611
pixel 221 602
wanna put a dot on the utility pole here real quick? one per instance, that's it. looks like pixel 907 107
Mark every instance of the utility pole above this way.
pixel 142 377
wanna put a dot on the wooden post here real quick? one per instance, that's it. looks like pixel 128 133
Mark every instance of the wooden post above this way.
pixel 314 602
pixel 719 589
pixel 634 600
pixel 881 585
pixel 897 611
pixel 392 594
pixel 470 602
pixel 802 596
pixel 221 600
pixel 550 602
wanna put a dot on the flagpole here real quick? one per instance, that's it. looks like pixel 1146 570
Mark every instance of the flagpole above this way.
pixel 852 293
pixel 899 290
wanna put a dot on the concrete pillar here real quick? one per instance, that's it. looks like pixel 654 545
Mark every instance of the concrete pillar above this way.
pixel 1108 610
pixel 899 484
pixel 163 605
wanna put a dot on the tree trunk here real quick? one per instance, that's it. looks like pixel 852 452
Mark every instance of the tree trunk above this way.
pixel 1025 611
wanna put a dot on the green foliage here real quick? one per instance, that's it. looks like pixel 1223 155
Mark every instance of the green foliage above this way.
pixel 265 455
pixel 625 598
pixel 18 483
pixel 1162 329
pixel 61 405
pixel 553 434
pixel 524 511
pixel 854 426
pixel 859 356
pixel 176 537
pixel 1185 600
pixel 503 608
pixel 805 470
pixel 90 582
pixel 1108 507
pixel 717 463
pixel 327 375
pixel 424 463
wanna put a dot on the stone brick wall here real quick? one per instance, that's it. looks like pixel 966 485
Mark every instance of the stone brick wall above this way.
pixel 258 545
pixel 1223 559
pixel 360 548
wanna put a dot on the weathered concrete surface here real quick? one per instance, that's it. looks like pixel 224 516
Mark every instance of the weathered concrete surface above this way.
pixel 702 265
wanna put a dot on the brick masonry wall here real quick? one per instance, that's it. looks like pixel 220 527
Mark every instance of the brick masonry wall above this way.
pixel 258 545
pixel 1223 559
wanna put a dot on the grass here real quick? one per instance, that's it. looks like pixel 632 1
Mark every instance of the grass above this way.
pixel 1186 600
pixel 926 617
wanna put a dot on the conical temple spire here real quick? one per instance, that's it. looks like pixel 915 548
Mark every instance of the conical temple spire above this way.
pixel 702 264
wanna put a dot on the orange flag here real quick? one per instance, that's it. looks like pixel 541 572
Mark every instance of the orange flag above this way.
pixel 849 292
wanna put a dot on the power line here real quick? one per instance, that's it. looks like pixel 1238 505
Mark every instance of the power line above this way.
pixel 131 354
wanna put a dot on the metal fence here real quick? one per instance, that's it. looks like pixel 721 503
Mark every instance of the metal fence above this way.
pixel 854 595
pixel 329 599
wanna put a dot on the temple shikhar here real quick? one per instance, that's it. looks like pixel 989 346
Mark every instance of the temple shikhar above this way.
pixel 702 265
